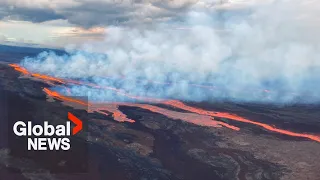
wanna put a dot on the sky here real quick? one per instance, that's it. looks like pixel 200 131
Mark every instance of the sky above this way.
pixel 60 22
pixel 235 44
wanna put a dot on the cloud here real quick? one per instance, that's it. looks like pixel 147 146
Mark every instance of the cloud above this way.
pixel 30 14
pixel 274 46
pixel 55 33
pixel 75 36
pixel 88 13
pixel 3 38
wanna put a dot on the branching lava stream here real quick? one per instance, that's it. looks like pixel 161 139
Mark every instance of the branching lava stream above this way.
pixel 193 115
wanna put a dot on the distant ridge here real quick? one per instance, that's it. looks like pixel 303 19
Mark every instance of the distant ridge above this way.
pixel 15 54
pixel 22 49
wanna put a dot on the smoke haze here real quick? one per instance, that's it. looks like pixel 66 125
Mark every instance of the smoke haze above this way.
pixel 267 53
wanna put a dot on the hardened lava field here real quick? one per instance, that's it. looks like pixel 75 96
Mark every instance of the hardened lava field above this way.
pixel 168 139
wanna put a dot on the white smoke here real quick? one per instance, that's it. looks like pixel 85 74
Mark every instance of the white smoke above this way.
pixel 275 46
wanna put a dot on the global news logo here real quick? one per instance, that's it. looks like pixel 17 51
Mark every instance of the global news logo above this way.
pixel 48 136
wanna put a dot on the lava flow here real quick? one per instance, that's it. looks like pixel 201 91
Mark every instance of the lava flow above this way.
pixel 194 115
pixel 233 117
pixel 36 75
pixel 106 108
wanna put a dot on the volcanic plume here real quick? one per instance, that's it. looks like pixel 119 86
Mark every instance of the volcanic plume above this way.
pixel 243 55
pixel 246 55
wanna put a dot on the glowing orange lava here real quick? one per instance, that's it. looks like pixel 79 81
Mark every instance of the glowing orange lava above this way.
pixel 120 117
pixel 196 116
pixel 118 91
pixel 36 75
pixel 180 105
pixel 201 120
pixel 19 69
pixel 48 78
pixel 64 98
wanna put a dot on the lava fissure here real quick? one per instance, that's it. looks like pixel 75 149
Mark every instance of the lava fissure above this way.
pixel 181 105
pixel 196 116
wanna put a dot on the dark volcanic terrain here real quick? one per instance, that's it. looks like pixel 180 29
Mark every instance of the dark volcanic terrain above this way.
pixel 156 147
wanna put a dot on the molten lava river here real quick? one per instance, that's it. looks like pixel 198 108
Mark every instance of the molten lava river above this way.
pixel 193 115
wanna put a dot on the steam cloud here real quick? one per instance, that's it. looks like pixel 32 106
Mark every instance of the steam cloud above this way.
pixel 242 52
